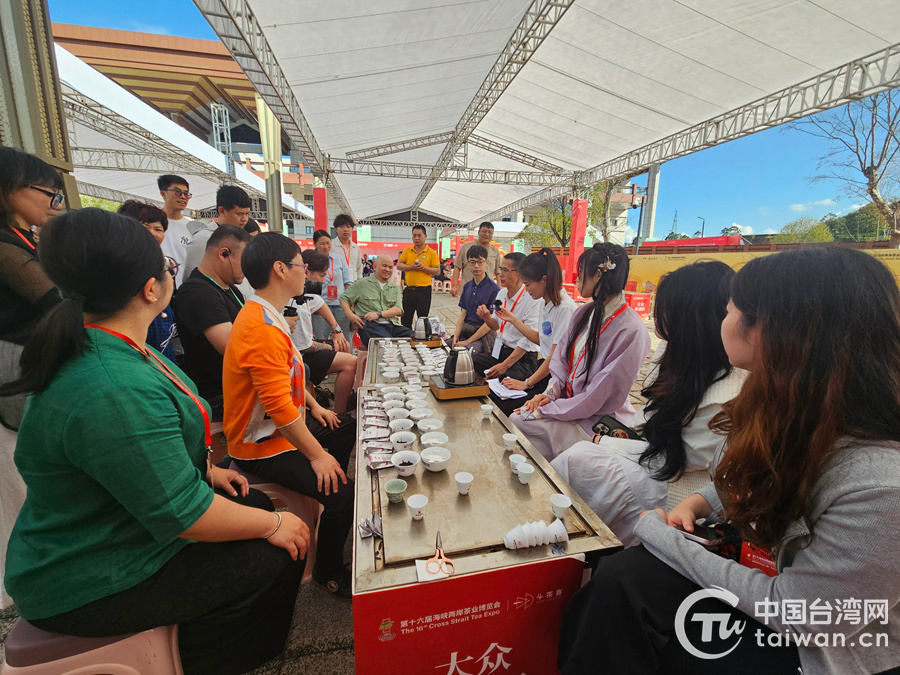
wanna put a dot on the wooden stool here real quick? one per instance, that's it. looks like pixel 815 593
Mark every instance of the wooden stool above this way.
pixel 31 651
pixel 305 508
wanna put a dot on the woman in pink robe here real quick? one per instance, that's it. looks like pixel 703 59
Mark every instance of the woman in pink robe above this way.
pixel 598 360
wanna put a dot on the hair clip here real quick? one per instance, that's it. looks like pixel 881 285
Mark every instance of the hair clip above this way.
pixel 607 266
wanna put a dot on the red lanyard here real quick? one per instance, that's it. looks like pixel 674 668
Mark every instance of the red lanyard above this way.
pixel 573 368
pixel 23 238
pixel 346 253
pixel 331 275
pixel 511 309
pixel 168 373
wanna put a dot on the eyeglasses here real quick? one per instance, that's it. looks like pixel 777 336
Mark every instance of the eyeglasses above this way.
pixel 55 197
pixel 303 265
pixel 476 261
pixel 180 193
pixel 172 266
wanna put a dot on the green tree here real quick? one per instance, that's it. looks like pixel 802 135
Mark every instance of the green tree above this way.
pixel 676 235
pixel 731 230
pixel 864 224
pixel 598 215
pixel 97 203
pixel 551 226
pixel 804 231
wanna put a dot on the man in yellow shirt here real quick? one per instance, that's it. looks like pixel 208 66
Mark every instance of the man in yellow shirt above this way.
pixel 421 263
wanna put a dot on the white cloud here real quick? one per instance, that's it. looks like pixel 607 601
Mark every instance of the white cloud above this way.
pixel 809 205
pixel 745 229
pixel 768 230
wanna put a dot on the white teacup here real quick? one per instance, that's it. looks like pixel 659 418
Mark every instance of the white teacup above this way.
pixel 399 412
pixel 400 424
pixel 560 504
pixel 557 532
pixel 525 471
pixel 514 461
pixel 417 504
pixel 487 410
pixel 464 482
pixel 509 441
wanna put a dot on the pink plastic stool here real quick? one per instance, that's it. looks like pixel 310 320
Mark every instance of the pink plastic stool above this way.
pixel 305 508
pixel 31 651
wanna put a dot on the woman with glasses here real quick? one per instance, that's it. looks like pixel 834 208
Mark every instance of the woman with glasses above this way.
pixel 29 196
pixel 162 330
pixel 126 526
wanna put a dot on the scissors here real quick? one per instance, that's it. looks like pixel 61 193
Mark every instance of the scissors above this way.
pixel 439 563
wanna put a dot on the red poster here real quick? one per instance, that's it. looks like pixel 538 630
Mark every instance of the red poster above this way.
pixel 576 241
pixel 320 208
pixel 504 621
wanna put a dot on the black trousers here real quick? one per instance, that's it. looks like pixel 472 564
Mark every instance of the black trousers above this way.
pixel 233 603
pixel 416 300
pixel 509 405
pixel 375 329
pixel 293 471
pixel 521 369
pixel 623 621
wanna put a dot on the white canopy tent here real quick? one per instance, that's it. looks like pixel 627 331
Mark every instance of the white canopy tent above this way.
pixel 595 88
pixel 120 145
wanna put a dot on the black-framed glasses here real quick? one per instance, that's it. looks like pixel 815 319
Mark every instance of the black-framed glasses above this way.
pixel 476 261
pixel 55 197
pixel 172 266
pixel 180 193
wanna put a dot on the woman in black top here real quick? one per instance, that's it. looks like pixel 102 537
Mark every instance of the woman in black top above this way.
pixel 28 196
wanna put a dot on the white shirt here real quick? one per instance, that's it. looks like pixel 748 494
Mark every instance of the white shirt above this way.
pixel 196 247
pixel 175 244
pixel 353 257
pixel 554 321
pixel 303 331
pixel 526 308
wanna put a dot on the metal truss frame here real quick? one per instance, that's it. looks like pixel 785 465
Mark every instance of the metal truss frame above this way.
pixel 474 139
pixel 240 32
pixel 847 83
pixel 407 223
pixel 112 195
pixel 540 18
pixel 451 173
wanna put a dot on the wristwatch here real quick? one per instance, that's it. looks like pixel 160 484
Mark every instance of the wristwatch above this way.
pixel 527 386
pixel 380 315
pixel 337 329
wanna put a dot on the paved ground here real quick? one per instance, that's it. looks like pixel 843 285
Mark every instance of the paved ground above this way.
pixel 321 640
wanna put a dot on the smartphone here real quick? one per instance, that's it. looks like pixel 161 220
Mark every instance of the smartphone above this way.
pixel 610 426
pixel 710 535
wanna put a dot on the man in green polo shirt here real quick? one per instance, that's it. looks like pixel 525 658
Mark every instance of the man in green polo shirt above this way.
pixel 373 304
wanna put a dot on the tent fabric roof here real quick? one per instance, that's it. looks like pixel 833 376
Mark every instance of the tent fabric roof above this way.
pixel 92 84
pixel 609 78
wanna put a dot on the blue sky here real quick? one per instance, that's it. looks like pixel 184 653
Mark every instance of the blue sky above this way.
pixel 759 182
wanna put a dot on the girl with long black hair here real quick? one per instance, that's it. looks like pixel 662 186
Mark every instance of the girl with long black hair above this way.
pixel 810 474
pixel 599 358
pixel 543 280
pixel 126 526
pixel 690 381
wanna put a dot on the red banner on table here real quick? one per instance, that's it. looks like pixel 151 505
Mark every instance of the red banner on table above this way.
pixel 576 241
pixel 503 621
pixel 320 208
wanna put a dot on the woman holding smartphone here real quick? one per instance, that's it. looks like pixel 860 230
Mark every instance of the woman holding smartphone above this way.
pixel 126 526
pixel 689 382
pixel 810 474
pixel 543 280
pixel 600 357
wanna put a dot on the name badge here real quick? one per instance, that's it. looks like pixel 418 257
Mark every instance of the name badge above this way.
pixel 547 328
pixel 332 292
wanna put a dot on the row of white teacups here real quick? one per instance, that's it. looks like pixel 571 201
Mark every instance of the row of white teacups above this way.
pixel 410 362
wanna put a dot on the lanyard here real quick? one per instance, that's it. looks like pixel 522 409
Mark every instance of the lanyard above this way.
pixel 573 368
pixel 239 301
pixel 511 309
pixel 23 238
pixel 168 373
pixel 331 274
pixel 346 254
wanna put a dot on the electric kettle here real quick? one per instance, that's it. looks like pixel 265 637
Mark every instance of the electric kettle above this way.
pixel 459 369
pixel 423 329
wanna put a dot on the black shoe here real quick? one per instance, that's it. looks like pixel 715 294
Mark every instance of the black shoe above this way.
pixel 339 586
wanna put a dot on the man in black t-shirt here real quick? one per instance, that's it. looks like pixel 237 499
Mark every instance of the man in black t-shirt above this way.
pixel 205 307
